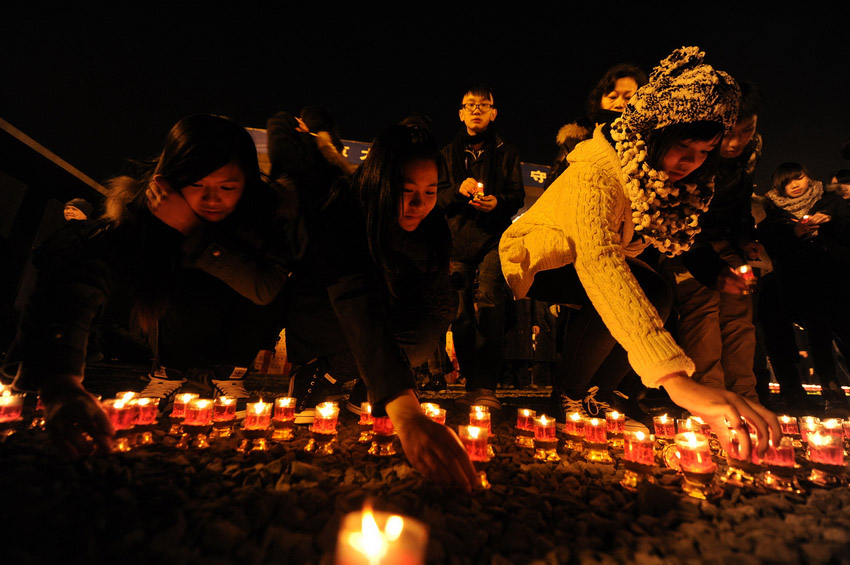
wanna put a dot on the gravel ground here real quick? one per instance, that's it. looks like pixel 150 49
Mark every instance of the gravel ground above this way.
pixel 162 504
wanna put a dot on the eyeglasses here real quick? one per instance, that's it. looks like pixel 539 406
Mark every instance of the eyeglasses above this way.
pixel 484 107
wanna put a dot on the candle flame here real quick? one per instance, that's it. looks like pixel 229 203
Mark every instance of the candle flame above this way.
pixel 526 412
pixel 326 409
pixel 575 416
pixel 692 439
pixel 594 422
pixel 831 423
pixel 370 541
pixel 614 415
pixel 127 396
pixel 785 419
pixel 258 407
pixel 663 419
pixel 640 436
pixel 395 524
pixel 201 403
pixel 473 431
pixel 544 420
pixel 142 401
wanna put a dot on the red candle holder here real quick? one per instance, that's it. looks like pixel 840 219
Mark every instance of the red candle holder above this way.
pixel 638 459
pixel 697 466
pixel 224 417
pixel 283 422
pixel 123 416
pixel 808 425
pixel 545 439
pixel 11 408
pixel 255 426
pixel 665 428
pixel 574 432
pixel 616 424
pixel 146 420
pixel 525 427
pixel 741 472
pixel 479 416
pixel 383 437
pixel 475 441
pixel 323 430
pixel 435 412
pixel 178 410
pixel 781 467
pixel 826 456
pixel 596 441
pixel 197 422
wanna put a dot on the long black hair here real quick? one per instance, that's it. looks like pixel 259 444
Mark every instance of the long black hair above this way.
pixel 378 184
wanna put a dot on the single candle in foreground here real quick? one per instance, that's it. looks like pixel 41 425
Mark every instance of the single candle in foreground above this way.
pixel 373 538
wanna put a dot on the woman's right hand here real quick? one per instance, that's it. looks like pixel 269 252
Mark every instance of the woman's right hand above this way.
pixel 723 411
pixel 433 449
pixel 75 418
pixel 808 226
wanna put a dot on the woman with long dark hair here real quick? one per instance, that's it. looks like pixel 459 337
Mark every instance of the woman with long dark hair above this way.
pixel 379 263
pixel 642 180
pixel 195 237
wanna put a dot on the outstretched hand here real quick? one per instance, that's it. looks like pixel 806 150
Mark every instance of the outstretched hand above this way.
pixel 75 418
pixel 433 449
pixel 723 411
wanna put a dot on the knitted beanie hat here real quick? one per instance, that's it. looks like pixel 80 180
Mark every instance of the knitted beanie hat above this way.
pixel 81 205
pixel 683 89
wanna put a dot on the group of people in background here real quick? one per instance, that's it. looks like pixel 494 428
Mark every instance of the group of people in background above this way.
pixel 636 246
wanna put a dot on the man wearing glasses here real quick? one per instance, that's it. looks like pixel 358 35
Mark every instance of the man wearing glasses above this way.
pixel 480 190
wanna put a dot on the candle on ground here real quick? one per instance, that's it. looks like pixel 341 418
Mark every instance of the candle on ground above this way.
pixel 639 447
pixel 326 417
pixel 474 439
pixel 258 416
pixel 665 427
pixel 694 453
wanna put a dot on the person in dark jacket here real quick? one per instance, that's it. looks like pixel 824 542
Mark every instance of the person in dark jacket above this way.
pixel 807 233
pixel 196 236
pixel 380 255
pixel 713 302
pixel 480 191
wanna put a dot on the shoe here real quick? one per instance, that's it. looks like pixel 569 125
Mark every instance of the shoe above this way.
pixel 630 406
pixel 233 385
pixel 595 408
pixel 310 385
pixel 358 395
pixel 480 397
pixel 161 386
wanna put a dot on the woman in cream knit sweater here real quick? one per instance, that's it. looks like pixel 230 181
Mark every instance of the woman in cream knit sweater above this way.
pixel 643 179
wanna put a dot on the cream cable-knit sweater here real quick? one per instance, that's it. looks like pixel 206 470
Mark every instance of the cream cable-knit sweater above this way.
pixel 585 218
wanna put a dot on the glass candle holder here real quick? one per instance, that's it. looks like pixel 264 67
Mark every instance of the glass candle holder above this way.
pixel 11 408
pixel 665 427
pixel 638 459
pixel 178 410
pixel 146 418
pixel 697 466
pixel 833 427
pixel 433 411
pixel 479 416
pixel 808 425
pixel 788 425
pixel 475 441
pixel 369 537
pixel 780 467
pixel 366 422
pixel 545 439
pixel 383 437
pixel 574 432
pixel 123 416
pixel 525 427
pixel 283 420
pixel 826 456
pixel 596 441
pixel 255 426
pixel 616 424
pixel 323 430
pixel 197 422
pixel 741 472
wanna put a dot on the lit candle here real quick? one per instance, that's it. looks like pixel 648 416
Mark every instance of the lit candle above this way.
pixel 810 424
pixel 746 273
pixel 825 449
pixel 595 431
pixel 224 409
pixel 367 538
pixel 694 453
pixel 615 422
pixel 474 439
pixel 574 425
pixel 665 427
pixel 525 419
pixel 544 429
pixel 781 455
pixel 365 414
pixel 199 412
pixel 11 406
pixel 258 416
pixel 480 416
pixel 122 414
pixel 834 427
pixel 326 418
pixel 178 410
pixel 639 447
pixel 126 396
pixel 735 450
pixel 434 412
pixel 788 425
pixel 147 410
pixel 284 408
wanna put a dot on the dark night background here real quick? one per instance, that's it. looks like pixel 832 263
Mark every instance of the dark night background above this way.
pixel 97 87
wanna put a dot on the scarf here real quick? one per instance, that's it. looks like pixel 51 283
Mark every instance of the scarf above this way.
pixel 800 205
